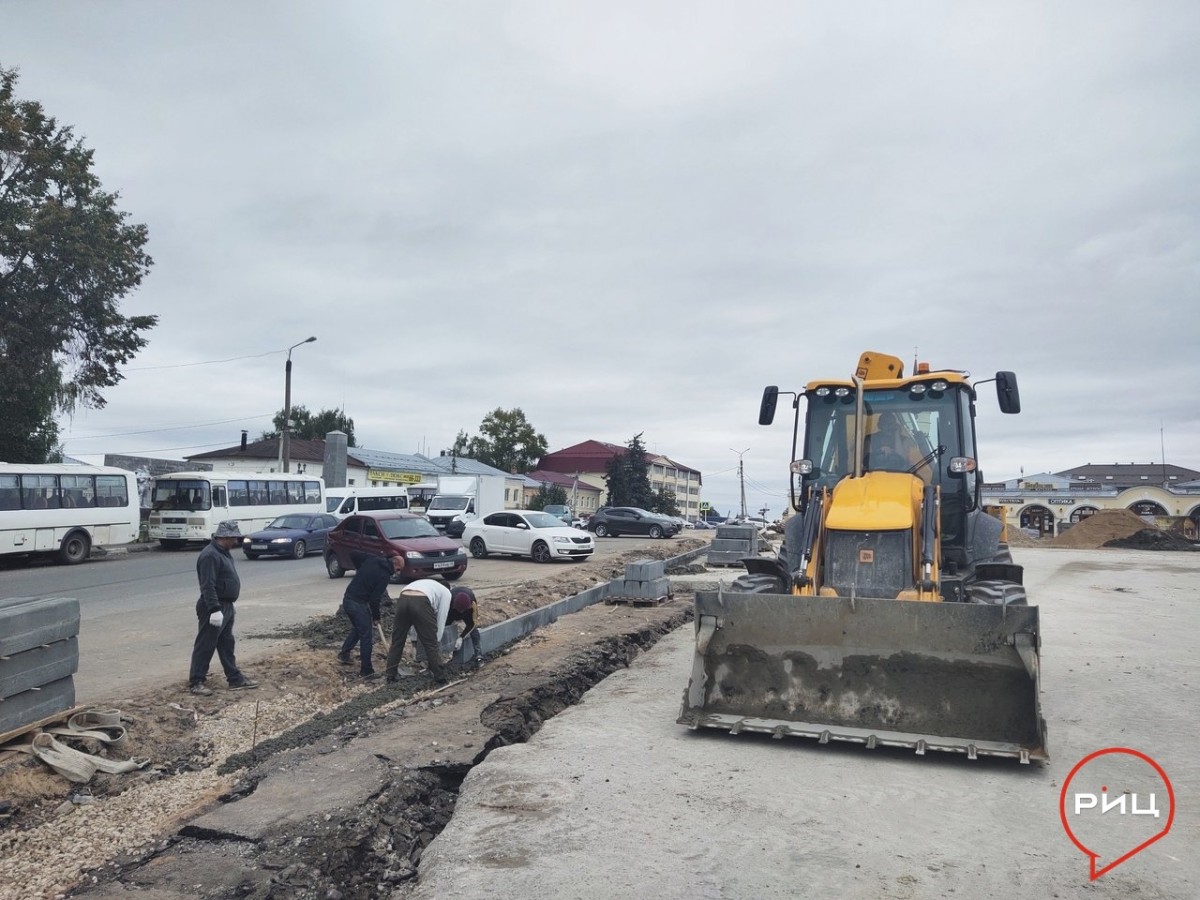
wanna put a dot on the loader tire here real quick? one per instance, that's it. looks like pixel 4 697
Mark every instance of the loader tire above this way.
pixel 997 593
pixel 758 584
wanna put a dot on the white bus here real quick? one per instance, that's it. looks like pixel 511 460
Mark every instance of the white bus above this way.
pixel 65 510
pixel 186 506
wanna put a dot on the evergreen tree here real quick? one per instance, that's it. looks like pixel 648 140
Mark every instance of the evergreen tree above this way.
pixel 616 480
pixel 637 468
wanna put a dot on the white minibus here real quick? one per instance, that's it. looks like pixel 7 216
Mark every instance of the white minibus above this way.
pixel 65 510
pixel 344 501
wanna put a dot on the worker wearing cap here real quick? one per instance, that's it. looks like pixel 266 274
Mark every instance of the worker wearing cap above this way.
pixel 463 608
pixel 219 590
pixel 425 606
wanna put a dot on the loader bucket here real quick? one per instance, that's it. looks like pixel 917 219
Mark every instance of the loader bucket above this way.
pixel 956 677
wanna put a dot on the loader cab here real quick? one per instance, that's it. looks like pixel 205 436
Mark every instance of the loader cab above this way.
pixel 924 427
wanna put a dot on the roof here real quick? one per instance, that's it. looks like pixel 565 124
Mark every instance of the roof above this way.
pixel 539 477
pixel 300 449
pixel 313 450
pixel 1130 474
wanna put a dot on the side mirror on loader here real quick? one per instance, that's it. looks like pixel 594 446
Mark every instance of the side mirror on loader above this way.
pixel 1007 393
pixel 766 409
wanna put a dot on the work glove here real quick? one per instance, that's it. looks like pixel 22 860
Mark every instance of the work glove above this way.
pixel 458 644
pixel 217 618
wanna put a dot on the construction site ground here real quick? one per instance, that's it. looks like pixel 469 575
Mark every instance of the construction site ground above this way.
pixel 320 786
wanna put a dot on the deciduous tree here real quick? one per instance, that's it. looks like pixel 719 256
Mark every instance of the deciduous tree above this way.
pixel 313 426
pixel 67 256
pixel 548 495
pixel 506 440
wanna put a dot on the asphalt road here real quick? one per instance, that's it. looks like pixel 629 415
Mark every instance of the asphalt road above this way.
pixel 613 799
pixel 138 608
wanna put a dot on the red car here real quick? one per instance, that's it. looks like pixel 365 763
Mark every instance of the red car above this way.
pixel 426 553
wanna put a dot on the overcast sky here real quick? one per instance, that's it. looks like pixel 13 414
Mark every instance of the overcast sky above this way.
pixel 630 217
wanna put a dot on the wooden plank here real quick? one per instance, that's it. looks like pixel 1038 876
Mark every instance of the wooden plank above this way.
pixel 33 726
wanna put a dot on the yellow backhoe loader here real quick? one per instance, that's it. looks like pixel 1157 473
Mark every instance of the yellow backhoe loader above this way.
pixel 894 614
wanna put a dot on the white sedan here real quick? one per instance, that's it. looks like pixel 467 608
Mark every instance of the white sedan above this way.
pixel 524 532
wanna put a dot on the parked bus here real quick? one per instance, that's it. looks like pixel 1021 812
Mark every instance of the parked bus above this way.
pixel 65 510
pixel 186 506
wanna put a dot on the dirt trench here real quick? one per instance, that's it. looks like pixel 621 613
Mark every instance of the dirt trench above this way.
pixel 372 849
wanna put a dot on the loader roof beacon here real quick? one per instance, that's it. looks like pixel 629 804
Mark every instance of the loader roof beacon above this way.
pixel 894 614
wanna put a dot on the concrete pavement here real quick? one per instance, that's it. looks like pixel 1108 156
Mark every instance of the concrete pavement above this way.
pixel 612 799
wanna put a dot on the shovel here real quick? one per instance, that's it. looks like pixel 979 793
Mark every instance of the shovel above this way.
pixel 387 648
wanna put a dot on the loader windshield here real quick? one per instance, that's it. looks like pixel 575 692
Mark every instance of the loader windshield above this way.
pixel 903 431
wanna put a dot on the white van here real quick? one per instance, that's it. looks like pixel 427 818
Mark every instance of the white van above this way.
pixel 345 501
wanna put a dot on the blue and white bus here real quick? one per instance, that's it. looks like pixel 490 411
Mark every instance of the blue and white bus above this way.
pixel 186 506
pixel 64 510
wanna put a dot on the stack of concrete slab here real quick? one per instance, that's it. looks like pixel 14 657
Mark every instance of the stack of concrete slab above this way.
pixel 732 544
pixel 645 581
pixel 39 655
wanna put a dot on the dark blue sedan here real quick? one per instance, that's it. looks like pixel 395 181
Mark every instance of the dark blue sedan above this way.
pixel 292 535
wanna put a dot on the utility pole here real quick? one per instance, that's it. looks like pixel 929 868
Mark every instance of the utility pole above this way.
pixel 575 495
pixel 284 447
pixel 741 477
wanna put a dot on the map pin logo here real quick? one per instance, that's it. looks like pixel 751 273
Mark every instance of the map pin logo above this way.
pixel 1114 804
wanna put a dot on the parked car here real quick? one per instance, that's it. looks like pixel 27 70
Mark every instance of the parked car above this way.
pixel 560 511
pixel 579 522
pixel 295 535
pixel 618 520
pixel 426 552
pixel 524 532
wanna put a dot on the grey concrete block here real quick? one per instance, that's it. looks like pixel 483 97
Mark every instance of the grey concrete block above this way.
pixel 29 706
pixel 723 544
pixel 27 622
pixel 647 590
pixel 645 570
pixel 38 666
pixel 737 532
pixel 726 557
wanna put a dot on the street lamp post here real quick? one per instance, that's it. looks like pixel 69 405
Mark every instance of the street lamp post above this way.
pixel 741 477
pixel 287 405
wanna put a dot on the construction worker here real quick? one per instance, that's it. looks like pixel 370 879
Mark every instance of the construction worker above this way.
pixel 367 589
pixel 463 608
pixel 890 447
pixel 424 605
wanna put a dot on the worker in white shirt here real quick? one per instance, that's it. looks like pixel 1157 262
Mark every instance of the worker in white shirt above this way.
pixel 423 605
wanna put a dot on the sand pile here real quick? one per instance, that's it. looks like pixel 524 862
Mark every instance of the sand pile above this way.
pixel 1099 528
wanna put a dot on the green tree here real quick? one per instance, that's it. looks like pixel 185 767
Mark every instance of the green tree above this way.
pixel 664 502
pixel 506 440
pixel 637 465
pixel 548 495
pixel 616 481
pixel 67 256
pixel 627 476
pixel 313 427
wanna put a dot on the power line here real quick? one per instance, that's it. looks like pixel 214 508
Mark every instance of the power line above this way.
pixel 94 437
pixel 208 362
pixel 169 449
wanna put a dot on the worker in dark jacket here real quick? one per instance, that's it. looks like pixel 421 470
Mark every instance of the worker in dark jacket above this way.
pixel 219 590
pixel 367 589
pixel 463 608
